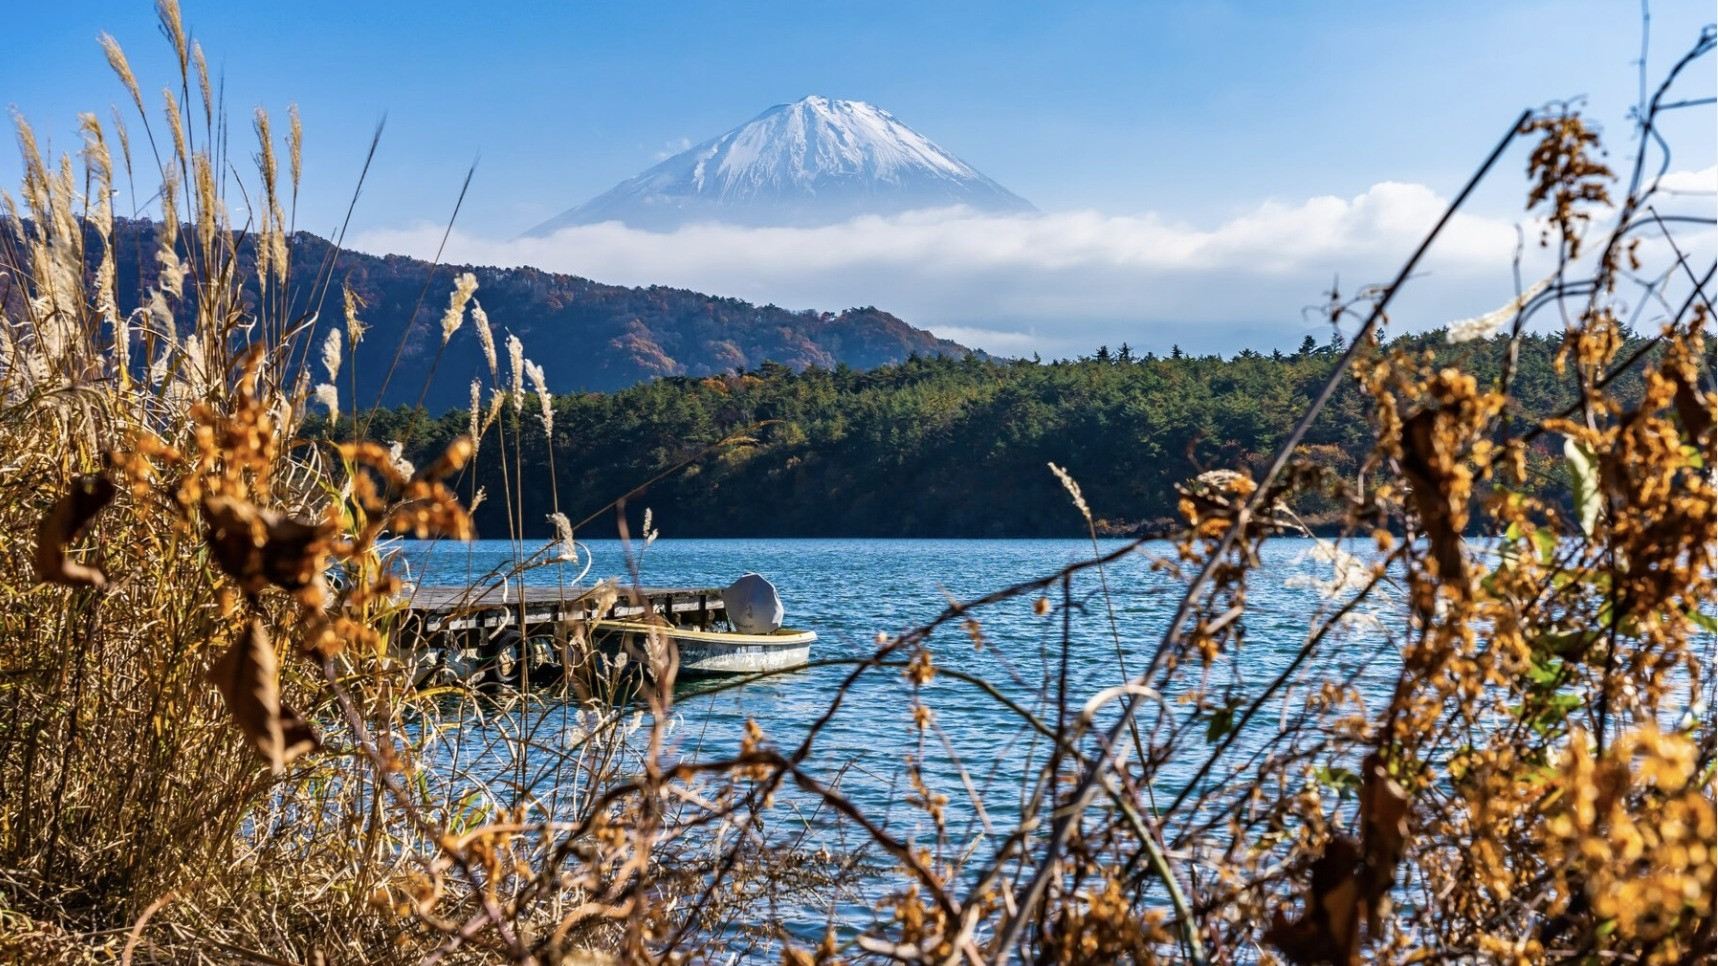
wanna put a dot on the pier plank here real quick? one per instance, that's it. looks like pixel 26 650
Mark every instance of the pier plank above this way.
pixel 465 608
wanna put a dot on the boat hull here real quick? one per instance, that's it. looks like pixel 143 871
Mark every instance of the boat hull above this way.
pixel 714 652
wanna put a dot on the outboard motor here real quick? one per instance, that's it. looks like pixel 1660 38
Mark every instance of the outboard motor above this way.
pixel 753 606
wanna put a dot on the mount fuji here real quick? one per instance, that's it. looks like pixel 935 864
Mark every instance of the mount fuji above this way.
pixel 816 161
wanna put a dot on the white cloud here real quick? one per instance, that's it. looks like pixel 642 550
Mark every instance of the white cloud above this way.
pixel 1001 341
pixel 1061 283
pixel 1691 182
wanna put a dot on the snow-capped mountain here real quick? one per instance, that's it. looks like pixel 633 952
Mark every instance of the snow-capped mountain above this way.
pixel 815 161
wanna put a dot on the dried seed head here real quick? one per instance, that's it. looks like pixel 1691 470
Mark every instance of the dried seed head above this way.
pixel 463 286
pixel 397 459
pixel 175 125
pixel 331 354
pixel 485 336
pixel 1073 489
pixel 516 362
pixel 1487 325
pixel 295 146
pixel 116 60
pixel 202 65
pixel 566 549
pixel 473 428
pixel 545 402
pixel 173 25
pixel 355 328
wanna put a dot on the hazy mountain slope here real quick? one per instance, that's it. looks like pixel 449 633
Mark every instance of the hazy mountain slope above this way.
pixel 587 336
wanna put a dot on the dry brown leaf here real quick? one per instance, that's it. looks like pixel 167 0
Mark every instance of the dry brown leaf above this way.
pixel 1430 489
pixel 1329 933
pixel 1350 882
pixel 257 547
pixel 1694 407
pixel 248 677
pixel 69 515
pixel 1383 836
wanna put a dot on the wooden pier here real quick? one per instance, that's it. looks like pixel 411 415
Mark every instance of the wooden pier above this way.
pixel 490 638
pixel 442 609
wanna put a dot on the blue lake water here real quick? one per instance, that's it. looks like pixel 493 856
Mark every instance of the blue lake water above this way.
pixel 849 591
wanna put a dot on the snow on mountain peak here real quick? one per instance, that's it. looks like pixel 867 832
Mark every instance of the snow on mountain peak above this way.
pixel 817 160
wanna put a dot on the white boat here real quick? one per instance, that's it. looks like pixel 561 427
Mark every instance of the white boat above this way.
pixel 551 639
pixel 709 651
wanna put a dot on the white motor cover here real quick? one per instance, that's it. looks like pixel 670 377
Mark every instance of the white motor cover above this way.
pixel 753 606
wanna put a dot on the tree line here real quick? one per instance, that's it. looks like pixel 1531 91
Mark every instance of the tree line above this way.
pixel 934 446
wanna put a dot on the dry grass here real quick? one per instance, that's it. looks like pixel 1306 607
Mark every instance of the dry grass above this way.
pixel 208 751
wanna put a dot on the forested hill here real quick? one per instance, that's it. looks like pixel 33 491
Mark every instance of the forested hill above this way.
pixel 932 447
pixel 587 336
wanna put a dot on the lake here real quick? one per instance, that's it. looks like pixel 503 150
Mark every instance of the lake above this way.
pixel 849 591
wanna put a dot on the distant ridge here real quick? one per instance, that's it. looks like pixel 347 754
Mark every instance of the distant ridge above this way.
pixel 815 161
pixel 587 336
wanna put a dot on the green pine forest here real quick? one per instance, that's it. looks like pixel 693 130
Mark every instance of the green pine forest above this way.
pixel 935 446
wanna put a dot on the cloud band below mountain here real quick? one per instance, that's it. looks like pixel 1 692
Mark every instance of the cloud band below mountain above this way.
pixel 1061 284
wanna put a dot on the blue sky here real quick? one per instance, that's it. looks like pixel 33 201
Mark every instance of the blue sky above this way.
pixel 1191 117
